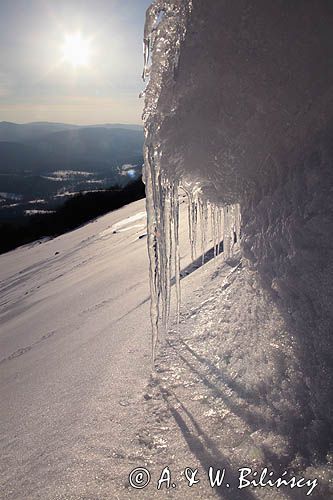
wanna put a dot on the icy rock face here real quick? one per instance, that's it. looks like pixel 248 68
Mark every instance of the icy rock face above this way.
pixel 288 239
pixel 239 106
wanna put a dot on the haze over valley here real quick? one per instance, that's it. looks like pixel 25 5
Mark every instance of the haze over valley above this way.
pixel 42 164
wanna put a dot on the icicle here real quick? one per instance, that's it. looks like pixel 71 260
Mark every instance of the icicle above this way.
pixel 203 219
pixel 163 229
pixel 227 245
pixel 194 213
pixel 219 216
pixel 175 218
pixel 238 223
pixel 212 225
pixel 214 228
pixel 153 18
pixel 190 222
pixel 193 210
pixel 152 228
pixel 165 253
pixel 216 231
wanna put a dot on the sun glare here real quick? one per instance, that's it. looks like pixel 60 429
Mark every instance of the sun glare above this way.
pixel 76 50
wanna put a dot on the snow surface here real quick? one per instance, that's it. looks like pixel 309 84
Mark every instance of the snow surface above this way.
pixel 75 358
pixel 226 389
pixel 79 413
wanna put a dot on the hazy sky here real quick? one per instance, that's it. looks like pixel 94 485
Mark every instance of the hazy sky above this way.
pixel 37 84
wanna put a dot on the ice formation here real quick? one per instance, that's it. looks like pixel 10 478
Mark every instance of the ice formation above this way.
pixel 238 111
pixel 165 31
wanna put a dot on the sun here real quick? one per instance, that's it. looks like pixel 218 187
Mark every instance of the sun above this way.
pixel 76 50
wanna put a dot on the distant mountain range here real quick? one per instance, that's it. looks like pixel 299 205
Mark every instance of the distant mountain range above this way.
pixel 17 132
pixel 42 146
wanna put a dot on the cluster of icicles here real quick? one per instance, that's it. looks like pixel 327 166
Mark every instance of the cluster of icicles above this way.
pixel 210 227
pixel 165 30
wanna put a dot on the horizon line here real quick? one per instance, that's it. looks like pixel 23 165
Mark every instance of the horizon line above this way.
pixel 74 124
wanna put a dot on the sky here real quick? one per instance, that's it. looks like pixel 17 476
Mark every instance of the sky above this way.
pixel 43 78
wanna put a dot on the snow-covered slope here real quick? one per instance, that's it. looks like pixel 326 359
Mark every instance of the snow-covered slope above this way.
pixel 75 349
pixel 78 413
pixel 75 354
pixel 227 393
